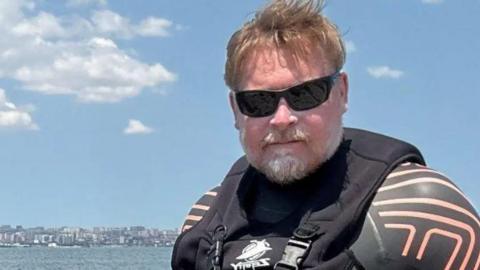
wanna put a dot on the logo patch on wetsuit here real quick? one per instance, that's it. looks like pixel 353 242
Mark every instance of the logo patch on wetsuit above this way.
pixel 251 256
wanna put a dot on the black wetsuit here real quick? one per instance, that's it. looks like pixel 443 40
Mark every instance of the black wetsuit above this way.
pixel 416 220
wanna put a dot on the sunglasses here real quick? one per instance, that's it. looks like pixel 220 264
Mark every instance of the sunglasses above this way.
pixel 301 97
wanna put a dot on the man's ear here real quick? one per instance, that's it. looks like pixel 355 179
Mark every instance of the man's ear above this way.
pixel 343 80
pixel 233 107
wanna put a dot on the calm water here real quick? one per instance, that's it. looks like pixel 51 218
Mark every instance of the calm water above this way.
pixel 105 258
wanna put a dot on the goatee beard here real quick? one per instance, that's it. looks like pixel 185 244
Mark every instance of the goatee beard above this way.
pixel 286 168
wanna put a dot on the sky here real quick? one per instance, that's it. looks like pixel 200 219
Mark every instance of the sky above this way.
pixel 115 113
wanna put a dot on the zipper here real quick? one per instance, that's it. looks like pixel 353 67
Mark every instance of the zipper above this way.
pixel 216 250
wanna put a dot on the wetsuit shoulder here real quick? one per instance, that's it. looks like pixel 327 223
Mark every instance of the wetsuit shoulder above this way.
pixel 419 219
pixel 200 208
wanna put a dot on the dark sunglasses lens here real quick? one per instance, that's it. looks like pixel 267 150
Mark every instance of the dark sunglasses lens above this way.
pixel 256 103
pixel 308 95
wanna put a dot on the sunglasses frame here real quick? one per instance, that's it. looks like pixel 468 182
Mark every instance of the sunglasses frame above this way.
pixel 285 93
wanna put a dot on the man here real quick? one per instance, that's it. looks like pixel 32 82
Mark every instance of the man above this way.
pixel 310 194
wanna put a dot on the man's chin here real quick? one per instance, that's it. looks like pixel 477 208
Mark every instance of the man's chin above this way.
pixel 285 170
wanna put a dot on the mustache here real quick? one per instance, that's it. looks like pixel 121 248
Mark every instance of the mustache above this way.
pixel 275 136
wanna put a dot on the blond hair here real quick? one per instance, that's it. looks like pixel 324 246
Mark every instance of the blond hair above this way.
pixel 296 26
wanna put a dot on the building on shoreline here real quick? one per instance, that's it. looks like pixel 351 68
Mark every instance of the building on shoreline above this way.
pixel 76 236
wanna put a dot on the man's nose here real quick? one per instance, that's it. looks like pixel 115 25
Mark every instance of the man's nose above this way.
pixel 284 116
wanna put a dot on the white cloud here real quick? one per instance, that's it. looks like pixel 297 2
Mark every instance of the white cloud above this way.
pixel 43 25
pixel 136 127
pixel 76 3
pixel 111 23
pixel 350 46
pixel 385 72
pixel 432 1
pixel 154 27
pixel 97 71
pixel 12 117
pixel 77 56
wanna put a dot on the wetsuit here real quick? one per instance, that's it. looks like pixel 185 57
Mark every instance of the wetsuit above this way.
pixel 418 219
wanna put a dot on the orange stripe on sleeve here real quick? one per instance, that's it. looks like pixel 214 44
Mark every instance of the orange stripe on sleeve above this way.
pixel 411 234
pixel 431 201
pixel 440 219
pixel 444 233
pixel 194 218
pixel 201 207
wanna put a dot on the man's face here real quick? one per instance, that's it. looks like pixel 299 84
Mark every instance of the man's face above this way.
pixel 288 145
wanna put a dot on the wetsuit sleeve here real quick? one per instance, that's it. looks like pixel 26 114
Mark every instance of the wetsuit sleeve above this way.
pixel 419 220
pixel 199 209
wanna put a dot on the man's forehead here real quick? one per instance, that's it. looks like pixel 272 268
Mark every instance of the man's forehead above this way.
pixel 272 69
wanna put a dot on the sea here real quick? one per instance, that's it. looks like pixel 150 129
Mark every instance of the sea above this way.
pixel 94 258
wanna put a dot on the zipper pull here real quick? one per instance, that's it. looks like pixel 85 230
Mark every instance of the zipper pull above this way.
pixel 217 247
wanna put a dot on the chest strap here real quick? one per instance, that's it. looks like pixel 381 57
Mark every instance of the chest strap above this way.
pixel 298 247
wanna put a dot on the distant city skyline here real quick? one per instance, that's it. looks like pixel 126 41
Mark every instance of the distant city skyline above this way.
pixel 116 112
pixel 15 226
pixel 76 236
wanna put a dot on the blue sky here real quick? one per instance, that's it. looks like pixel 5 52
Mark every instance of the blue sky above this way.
pixel 114 113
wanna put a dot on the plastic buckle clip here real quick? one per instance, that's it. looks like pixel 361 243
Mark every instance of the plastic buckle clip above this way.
pixel 293 255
